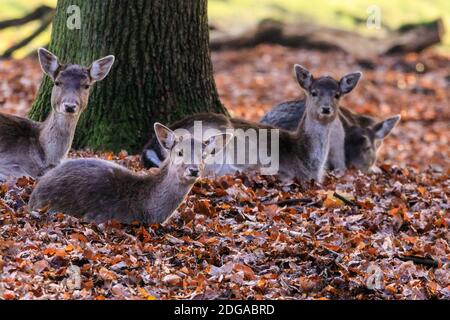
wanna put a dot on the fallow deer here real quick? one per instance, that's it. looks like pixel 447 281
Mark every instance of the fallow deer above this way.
pixel 303 152
pixel 29 148
pixel 99 190
pixel 363 134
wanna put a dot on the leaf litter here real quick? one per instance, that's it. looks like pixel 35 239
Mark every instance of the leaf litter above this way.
pixel 360 236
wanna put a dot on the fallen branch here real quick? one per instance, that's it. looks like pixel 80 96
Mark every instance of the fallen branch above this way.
pixel 414 38
pixel 44 25
pixel 39 13
pixel 291 201
pixel 420 260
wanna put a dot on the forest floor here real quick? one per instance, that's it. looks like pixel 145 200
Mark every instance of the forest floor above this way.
pixel 387 239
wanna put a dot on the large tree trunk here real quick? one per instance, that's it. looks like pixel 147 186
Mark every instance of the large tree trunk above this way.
pixel 162 72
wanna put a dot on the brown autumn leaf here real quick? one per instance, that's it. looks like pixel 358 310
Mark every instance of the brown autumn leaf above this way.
pixel 80 237
pixel 172 280
pixel 22 182
pixel 49 251
pixel 204 207
pixel 248 272
pixel 106 274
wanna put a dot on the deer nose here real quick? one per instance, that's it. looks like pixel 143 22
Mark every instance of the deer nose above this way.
pixel 70 108
pixel 193 172
pixel 326 110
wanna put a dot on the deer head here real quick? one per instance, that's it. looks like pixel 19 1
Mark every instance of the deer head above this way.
pixel 72 82
pixel 323 94
pixel 186 154
pixel 362 144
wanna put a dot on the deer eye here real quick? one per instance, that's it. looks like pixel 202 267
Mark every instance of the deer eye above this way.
pixel 86 86
pixel 314 93
pixel 337 95
pixel 57 83
pixel 180 153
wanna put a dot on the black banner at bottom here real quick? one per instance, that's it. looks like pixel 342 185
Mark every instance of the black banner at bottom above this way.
pixel 271 310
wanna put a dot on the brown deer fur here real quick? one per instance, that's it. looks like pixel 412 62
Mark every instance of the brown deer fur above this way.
pixel 363 134
pixel 302 153
pixel 99 190
pixel 29 148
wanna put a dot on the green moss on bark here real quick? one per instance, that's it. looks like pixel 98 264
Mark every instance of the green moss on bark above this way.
pixel 162 72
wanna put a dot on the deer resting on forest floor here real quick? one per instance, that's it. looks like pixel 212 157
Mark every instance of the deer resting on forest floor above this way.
pixel 99 190
pixel 29 148
pixel 363 134
pixel 302 153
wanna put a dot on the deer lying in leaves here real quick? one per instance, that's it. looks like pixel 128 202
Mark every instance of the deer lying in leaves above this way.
pixel 363 134
pixel 303 152
pixel 99 190
pixel 29 148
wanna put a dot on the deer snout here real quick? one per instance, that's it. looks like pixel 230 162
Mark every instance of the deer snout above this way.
pixel 70 107
pixel 326 110
pixel 194 172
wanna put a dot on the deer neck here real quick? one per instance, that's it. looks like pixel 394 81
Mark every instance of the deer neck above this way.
pixel 57 135
pixel 162 194
pixel 313 139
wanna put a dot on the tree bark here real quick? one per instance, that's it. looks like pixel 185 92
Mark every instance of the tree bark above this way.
pixel 163 68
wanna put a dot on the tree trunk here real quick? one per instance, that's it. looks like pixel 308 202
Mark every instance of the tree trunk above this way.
pixel 163 68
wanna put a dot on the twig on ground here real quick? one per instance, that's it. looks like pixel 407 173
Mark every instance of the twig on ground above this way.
pixel 345 200
pixel 421 260
pixel 290 201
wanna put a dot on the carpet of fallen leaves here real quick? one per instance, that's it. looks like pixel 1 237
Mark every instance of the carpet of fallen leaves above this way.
pixel 377 236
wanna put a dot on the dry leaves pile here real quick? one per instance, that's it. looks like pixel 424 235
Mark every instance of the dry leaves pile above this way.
pixel 359 236
pixel 388 239
pixel 19 81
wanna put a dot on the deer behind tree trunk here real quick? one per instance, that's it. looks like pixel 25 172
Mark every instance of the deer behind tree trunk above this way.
pixel 302 153
pixel 29 148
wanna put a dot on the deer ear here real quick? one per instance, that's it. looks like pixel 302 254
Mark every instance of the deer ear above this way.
pixel 165 136
pixel 100 68
pixel 348 82
pixel 49 63
pixel 216 143
pixel 304 77
pixel 384 128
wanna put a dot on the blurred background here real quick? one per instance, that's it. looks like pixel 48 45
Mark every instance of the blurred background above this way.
pixel 234 16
